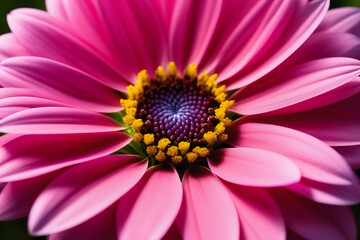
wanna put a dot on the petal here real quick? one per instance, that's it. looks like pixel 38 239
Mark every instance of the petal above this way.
pixel 173 233
pixel 295 85
pixel 17 198
pixel 200 216
pixel 42 75
pixel 48 37
pixel 57 120
pixel 315 221
pixel 351 155
pixel 315 159
pixel 64 203
pixel 102 226
pixel 10 47
pixel 260 217
pixel 160 186
pixel 33 155
pixel 253 167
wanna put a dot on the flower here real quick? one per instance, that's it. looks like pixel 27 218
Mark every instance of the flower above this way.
pixel 275 87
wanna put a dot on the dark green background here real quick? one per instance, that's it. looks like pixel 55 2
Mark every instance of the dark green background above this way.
pixel 16 230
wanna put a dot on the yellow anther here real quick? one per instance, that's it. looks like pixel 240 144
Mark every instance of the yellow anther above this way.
pixel 220 128
pixel 172 151
pixel 172 71
pixel 211 82
pixel 127 103
pixel 128 119
pixel 151 150
pixel 203 152
pixel 202 79
pixel 160 156
pixel 227 121
pixel 191 156
pixel 143 79
pixel 133 92
pixel 196 149
pixel 210 137
pixel 221 97
pixel 227 104
pixel 149 138
pixel 160 74
pixel 163 143
pixel 176 159
pixel 137 124
pixel 191 71
pixel 131 111
pixel 220 113
pixel 138 137
pixel 219 90
pixel 223 137
pixel 184 147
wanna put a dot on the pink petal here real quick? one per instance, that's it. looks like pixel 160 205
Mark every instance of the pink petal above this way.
pixel 351 155
pixel 42 75
pixel 276 32
pixel 260 217
pixel 17 198
pixel 160 186
pixel 10 47
pixel 253 167
pixel 127 22
pixel 33 155
pixel 173 233
pixel 102 226
pixel 57 120
pixel 7 92
pixel 315 159
pixel 65 203
pixel 295 85
pixel 192 27
pixel 48 37
pixel 207 211
pixel 328 193
pixel 315 221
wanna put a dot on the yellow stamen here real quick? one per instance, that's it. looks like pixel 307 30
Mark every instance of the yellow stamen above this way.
pixel 127 103
pixel 131 111
pixel 143 79
pixel 203 152
pixel 220 128
pixel 191 156
pixel 176 159
pixel 219 90
pixel 149 138
pixel 138 137
pixel 227 121
pixel 160 74
pixel 221 97
pixel 151 150
pixel 137 124
pixel 223 137
pixel 184 147
pixel 160 156
pixel 202 79
pixel 210 137
pixel 128 119
pixel 191 71
pixel 227 104
pixel 211 82
pixel 172 151
pixel 172 71
pixel 220 113
pixel 133 92
pixel 163 143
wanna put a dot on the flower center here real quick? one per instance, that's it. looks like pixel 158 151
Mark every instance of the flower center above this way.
pixel 177 119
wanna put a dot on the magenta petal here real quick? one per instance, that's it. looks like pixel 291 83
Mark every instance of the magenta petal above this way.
pixel 260 217
pixel 315 159
pixel 10 47
pixel 33 155
pixel 57 120
pixel 102 226
pixel 42 75
pixel 207 211
pixel 160 186
pixel 173 233
pixel 253 167
pixel 17 198
pixel 64 203
pixel 351 155
pixel 295 85
pixel 315 221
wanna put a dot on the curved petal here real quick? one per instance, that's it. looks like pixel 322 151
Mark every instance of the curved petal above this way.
pixel 33 155
pixel 276 33
pixel 17 198
pixel 102 226
pixel 351 155
pixel 48 37
pixel 173 233
pixel 64 203
pixel 253 167
pixel 42 75
pixel 57 120
pixel 200 216
pixel 315 159
pixel 10 47
pixel 315 221
pixel 295 85
pixel 160 186
pixel 260 217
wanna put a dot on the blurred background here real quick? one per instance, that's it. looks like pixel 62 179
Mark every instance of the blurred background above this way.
pixel 16 230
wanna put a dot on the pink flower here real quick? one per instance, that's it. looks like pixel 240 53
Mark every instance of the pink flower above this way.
pixel 281 169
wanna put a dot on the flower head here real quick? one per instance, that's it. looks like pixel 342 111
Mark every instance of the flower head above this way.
pixel 159 119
